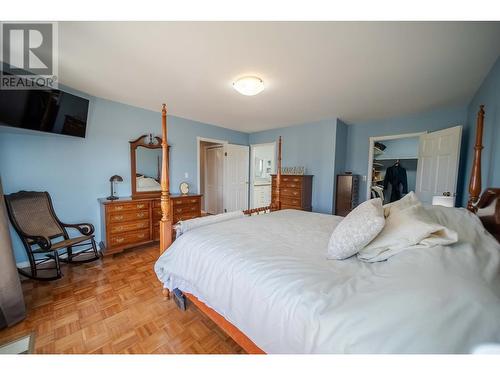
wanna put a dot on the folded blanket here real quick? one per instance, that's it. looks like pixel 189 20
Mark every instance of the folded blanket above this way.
pixel 186 225
pixel 405 229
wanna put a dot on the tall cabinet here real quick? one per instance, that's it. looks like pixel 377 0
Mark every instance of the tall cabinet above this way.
pixel 346 193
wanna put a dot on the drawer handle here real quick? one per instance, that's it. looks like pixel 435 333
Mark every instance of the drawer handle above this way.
pixel 120 239
pixel 140 215
pixel 179 210
pixel 193 200
pixel 141 235
pixel 140 206
pixel 117 208
pixel 119 228
pixel 119 217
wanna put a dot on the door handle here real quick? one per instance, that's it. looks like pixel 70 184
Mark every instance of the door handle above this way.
pixel 447 194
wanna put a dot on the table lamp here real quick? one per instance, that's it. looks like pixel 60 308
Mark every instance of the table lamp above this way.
pixel 112 180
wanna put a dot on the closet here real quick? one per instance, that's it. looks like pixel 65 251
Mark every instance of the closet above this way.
pixel 394 168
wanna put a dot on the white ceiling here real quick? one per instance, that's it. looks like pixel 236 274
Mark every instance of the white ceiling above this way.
pixel 312 70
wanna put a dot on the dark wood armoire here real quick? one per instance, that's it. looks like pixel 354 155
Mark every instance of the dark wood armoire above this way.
pixel 346 193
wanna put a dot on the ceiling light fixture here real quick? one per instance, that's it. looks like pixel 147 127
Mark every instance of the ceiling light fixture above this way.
pixel 249 85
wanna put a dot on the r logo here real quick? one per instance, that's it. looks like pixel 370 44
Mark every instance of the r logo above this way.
pixel 27 48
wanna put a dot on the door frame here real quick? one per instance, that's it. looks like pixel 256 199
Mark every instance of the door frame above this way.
pixel 251 189
pixel 198 167
pixel 371 144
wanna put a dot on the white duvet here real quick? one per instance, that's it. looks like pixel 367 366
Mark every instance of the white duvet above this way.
pixel 269 276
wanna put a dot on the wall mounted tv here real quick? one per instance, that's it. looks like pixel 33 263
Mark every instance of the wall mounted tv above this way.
pixel 51 111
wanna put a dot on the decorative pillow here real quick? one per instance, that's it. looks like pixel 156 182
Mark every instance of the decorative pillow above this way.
pixel 408 200
pixel 403 230
pixel 357 229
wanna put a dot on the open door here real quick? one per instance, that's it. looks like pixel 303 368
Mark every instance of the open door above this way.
pixel 236 173
pixel 213 180
pixel 438 159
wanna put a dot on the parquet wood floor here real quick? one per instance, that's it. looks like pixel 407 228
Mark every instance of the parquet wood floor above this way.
pixel 114 305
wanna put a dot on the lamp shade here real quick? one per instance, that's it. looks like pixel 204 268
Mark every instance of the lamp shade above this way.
pixel 441 200
pixel 116 178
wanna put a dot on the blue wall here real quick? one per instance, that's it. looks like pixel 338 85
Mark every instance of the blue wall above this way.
pixel 76 171
pixel 358 137
pixel 489 95
pixel 310 145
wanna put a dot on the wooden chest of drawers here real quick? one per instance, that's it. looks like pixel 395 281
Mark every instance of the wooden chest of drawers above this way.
pixel 127 222
pixel 296 191
pixel 346 194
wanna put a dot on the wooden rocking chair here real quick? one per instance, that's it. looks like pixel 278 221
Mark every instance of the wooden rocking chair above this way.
pixel 32 216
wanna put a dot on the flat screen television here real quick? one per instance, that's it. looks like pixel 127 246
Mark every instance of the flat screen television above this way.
pixel 51 111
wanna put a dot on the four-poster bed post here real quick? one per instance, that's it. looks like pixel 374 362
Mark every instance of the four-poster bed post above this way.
pixel 475 177
pixel 486 205
pixel 166 220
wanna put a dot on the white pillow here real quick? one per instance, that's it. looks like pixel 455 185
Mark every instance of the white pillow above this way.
pixel 405 228
pixel 408 200
pixel 356 230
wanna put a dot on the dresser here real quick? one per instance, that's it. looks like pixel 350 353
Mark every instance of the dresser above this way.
pixel 295 191
pixel 128 222
pixel 346 193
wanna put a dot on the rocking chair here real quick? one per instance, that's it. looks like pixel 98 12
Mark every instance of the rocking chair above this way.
pixel 32 216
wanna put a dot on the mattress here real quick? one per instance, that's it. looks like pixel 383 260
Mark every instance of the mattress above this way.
pixel 269 276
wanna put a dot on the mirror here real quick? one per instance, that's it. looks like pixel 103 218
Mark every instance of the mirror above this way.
pixel 148 162
pixel 145 166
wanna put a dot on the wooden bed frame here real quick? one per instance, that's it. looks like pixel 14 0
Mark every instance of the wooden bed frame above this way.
pixel 486 206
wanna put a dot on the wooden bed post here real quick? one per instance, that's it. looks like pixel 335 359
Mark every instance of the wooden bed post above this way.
pixel 475 177
pixel 166 221
pixel 278 177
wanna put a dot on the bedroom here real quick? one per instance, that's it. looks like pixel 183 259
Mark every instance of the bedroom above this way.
pixel 161 271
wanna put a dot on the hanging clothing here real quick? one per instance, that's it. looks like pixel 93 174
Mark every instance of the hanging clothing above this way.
pixel 396 176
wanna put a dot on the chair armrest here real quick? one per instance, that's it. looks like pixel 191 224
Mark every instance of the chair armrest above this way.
pixel 84 228
pixel 42 241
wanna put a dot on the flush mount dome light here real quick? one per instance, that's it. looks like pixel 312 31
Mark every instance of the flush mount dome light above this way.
pixel 249 85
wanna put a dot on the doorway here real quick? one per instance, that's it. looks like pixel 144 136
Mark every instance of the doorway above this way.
pixel 426 163
pixel 211 169
pixel 262 166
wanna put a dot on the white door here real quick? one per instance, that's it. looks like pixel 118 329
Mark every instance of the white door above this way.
pixel 213 180
pixel 437 168
pixel 236 168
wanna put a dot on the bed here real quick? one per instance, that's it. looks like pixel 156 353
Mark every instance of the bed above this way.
pixel 266 281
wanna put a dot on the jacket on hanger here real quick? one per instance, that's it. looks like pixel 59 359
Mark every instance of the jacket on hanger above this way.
pixel 396 176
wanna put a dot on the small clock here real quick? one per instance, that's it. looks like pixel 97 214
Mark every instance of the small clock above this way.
pixel 184 188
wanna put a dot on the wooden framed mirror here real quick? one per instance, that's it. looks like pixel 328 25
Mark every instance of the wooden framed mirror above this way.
pixel 145 166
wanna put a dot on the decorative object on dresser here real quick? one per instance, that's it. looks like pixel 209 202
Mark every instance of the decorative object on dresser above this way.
pixel 184 188
pixel 295 191
pixel 112 180
pixel 300 171
pixel 346 193
pixel 35 221
pixel 128 222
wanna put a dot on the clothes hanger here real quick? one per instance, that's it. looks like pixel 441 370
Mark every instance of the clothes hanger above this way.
pixel 396 164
